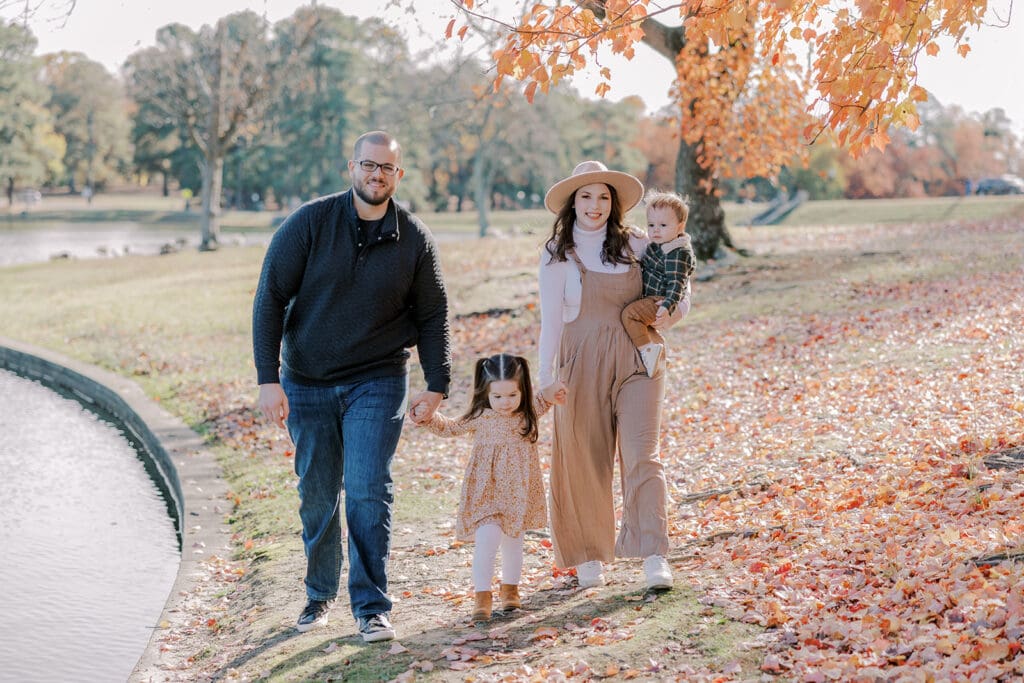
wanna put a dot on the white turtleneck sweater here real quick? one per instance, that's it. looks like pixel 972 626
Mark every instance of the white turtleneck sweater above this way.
pixel 561 290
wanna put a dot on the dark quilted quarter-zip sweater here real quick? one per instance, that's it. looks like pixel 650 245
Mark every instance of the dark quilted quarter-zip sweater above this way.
pixel 336 312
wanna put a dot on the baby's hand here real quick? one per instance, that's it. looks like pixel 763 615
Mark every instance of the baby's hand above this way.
pixel 417 412
pixel 662 312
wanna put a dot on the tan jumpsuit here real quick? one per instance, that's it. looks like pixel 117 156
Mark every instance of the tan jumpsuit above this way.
pixel 610 400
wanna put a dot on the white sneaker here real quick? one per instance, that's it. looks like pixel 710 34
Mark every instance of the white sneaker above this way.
pixel 650 354
pixel 589 574
pixel 659 574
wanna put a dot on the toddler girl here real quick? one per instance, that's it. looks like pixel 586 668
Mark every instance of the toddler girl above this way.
pixel 503 491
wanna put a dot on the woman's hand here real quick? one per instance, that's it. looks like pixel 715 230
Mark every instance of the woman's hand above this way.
pixel 665 321
pixel 555 393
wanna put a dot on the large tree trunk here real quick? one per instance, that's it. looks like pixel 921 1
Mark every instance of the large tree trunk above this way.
pixel 213 180
pixel 481 191
pixel 213 152
pixel 707 219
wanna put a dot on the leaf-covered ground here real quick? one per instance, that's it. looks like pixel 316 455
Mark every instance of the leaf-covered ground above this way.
pixel 840 453
pixel 831 405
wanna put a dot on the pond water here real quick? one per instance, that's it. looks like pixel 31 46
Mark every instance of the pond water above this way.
pixel 89 552
pixel 32 243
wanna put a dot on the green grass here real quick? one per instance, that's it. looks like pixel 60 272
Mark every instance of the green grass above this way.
pixel 824 213
pixel 923 210
pixel 166 322
pixel 672 622
pixel 419 499
pixel 152 209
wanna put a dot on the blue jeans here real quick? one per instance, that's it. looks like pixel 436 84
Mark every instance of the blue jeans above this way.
pixel 345 438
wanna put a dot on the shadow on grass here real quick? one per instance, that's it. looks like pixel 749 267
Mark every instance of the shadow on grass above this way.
pixel 558 629
pixel 349 658
pixel 273 639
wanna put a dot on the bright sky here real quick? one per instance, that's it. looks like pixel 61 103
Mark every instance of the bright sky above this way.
pixel 109 30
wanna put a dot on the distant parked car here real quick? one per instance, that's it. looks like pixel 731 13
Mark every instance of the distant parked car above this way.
pixel 1004 184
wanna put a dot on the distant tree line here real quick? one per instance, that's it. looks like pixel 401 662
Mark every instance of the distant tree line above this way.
pixel 246 114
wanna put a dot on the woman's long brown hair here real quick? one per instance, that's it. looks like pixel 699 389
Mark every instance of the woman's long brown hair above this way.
pixel 498 368
pixel 616 239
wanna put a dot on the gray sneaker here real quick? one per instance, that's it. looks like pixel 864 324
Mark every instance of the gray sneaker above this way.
pixel 314 615
pixel 376 627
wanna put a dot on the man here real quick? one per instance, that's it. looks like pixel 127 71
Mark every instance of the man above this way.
pixel 350 281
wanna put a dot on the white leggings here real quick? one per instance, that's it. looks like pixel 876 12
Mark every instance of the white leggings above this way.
pixel 488 538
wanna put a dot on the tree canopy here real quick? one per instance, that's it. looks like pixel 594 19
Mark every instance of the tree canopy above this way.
pixel 756 80
pixel 29 148
pixel 88 105
pixel 748 67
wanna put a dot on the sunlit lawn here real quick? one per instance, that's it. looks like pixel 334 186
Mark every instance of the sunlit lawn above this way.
pixel 152 208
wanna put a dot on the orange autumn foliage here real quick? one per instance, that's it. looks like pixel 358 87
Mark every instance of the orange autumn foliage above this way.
pixel 755 79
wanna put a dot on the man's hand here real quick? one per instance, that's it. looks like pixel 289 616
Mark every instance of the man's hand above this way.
pixel 555 393
pixel 423 406
pixel 273 404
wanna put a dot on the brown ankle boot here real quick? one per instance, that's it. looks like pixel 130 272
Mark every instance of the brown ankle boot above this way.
pixel 482 607
pixel 509 595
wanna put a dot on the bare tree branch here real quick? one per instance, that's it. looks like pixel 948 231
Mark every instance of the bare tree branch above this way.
pixel 31 9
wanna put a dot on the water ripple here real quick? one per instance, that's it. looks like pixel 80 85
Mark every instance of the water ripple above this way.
pixel 89 552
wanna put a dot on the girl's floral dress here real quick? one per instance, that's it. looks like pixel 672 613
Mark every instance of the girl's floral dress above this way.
pixel 503 484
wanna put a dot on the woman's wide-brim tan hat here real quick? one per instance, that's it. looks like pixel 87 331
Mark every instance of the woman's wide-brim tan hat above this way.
pixel 629 188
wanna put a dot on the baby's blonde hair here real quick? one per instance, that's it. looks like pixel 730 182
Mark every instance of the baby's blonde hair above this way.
pixel 670 200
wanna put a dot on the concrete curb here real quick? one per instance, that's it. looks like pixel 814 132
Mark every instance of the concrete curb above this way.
pixel 190 475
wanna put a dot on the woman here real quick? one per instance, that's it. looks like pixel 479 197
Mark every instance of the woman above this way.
pixel 606 405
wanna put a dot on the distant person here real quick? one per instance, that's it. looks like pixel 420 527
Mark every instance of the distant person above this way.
pixel 503 488
pixel 667 264
pixel 349 283
pixel 607 408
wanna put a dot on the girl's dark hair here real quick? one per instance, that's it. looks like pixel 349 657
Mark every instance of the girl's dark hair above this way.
pixel 616 239
pixel 498 368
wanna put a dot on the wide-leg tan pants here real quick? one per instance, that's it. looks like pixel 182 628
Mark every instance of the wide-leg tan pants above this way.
pixel 613 411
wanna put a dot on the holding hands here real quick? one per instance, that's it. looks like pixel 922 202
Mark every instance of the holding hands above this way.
pixel 555 393
pixel 423 406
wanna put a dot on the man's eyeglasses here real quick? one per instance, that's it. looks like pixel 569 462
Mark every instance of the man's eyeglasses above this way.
pixel 371 166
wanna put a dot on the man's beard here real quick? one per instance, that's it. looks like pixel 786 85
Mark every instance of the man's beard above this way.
pixel 370 199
